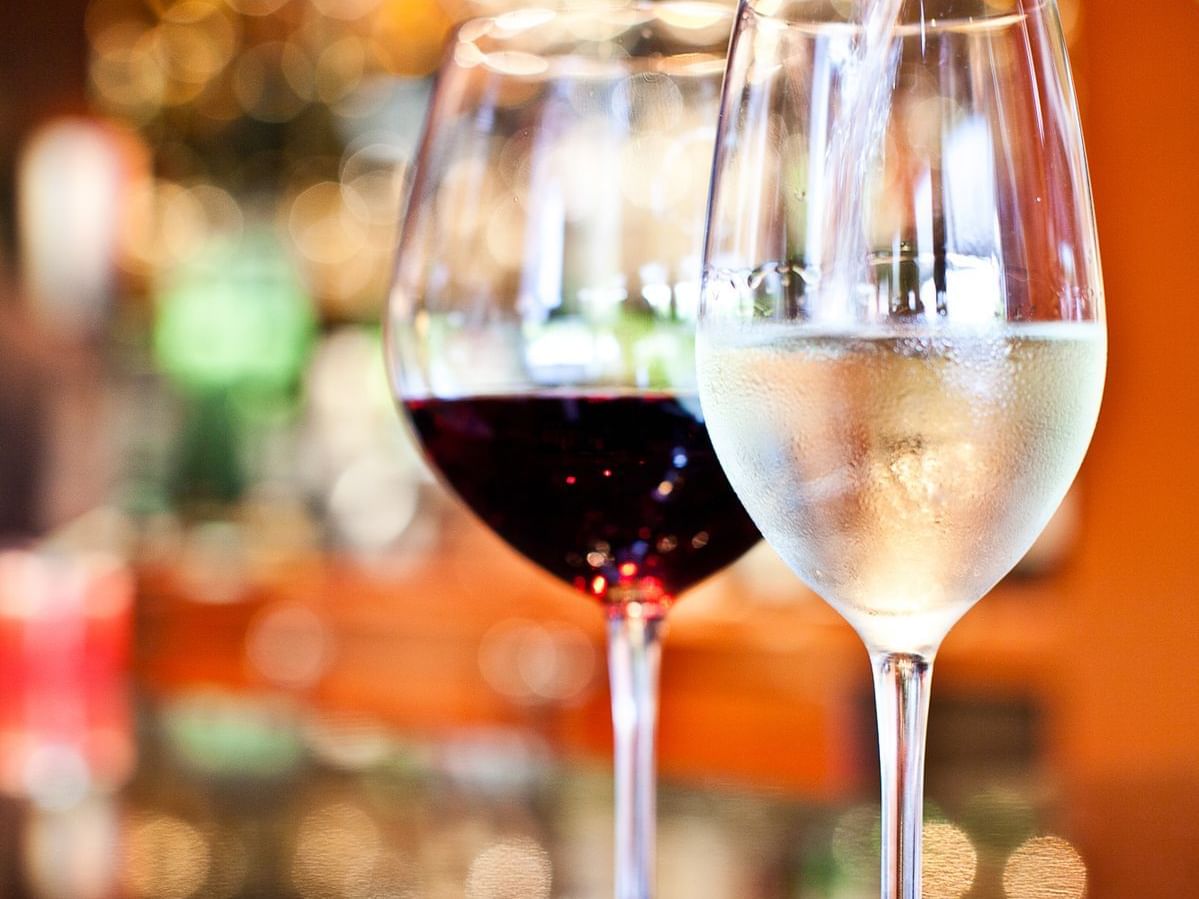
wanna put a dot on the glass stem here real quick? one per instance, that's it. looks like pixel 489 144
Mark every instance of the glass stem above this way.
pixel 901 685
pixel 634 655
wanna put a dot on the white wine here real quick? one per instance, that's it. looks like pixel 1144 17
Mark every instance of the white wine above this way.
pixel 901 474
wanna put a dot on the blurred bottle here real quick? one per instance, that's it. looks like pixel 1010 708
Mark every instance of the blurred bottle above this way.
pixel 74 180
pixel 65 721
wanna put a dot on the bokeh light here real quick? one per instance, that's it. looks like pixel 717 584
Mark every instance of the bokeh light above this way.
pixel 172 223
pixel 264 82
pixel 950 861
pixel 325 224
pixel 340 69
pixel 373 501
pixel 530 662
pixel 196 40
pixel 513 869
pixel 56 775
pixel 211 561
pixel 235 314
pixel 290 645
pixel 73 853
pixel 165 857
pixel 256 7
pixel 126 71
pixel 347 9
pixel 699 858
pixel 337 851
pixel 373 171
pixel 1046 867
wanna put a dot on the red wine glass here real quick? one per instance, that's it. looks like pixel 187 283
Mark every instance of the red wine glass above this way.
pixel 540 332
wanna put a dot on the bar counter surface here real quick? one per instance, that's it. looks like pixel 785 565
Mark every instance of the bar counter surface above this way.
pixel 437 726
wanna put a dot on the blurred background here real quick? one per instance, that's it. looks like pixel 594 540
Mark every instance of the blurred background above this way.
pixel 249 649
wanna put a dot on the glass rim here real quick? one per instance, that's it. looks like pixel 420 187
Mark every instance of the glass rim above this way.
pixel 1012 13
pixel 578 40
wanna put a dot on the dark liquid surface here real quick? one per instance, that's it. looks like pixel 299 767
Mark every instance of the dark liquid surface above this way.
pixel 620 496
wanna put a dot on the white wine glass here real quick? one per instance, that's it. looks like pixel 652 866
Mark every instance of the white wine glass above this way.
pixel 541 327
pixel 901 345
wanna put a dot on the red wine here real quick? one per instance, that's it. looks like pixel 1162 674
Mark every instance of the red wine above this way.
pixel 620 496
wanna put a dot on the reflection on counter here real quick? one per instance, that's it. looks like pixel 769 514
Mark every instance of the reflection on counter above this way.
pixel 242 795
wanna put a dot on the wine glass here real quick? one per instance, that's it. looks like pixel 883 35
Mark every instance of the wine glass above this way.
pixel 540 332
pixel 901 344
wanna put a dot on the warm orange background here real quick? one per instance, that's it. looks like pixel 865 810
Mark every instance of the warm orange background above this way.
pixel 1111 639
pixel 1130 710
pixel 1140 555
